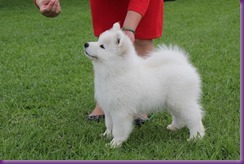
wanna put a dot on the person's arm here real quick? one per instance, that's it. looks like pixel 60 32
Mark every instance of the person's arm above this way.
pixel 131 22
pixel 48 8
pixel 136 10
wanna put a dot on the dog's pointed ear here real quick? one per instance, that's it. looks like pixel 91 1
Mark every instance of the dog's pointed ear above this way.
pixel 119 38
pixel 121 42
pixel 116 26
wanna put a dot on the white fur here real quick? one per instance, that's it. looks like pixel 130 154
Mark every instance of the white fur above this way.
pixel 127 85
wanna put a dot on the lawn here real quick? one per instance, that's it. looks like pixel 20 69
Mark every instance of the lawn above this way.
pixel 46 85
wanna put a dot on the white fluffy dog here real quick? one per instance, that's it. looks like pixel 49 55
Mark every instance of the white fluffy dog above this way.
pixel 127 85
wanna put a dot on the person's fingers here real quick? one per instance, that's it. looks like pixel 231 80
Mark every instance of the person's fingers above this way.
pixel 55 7
pixel 59 7
pixel 45 9
pixel 52 9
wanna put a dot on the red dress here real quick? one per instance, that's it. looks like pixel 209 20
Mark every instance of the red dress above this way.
pixel 106 12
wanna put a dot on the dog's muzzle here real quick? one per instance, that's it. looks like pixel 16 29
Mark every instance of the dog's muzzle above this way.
pixel 86 45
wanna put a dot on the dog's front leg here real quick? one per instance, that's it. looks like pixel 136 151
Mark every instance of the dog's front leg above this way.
pixel 109 126
pixel 122 127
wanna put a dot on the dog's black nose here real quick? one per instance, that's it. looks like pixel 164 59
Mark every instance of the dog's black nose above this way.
pixel 86 45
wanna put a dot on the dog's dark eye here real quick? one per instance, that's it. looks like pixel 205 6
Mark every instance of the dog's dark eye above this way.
pixel 102 46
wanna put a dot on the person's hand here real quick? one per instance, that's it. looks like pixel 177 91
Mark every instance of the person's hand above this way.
pixel 131 35
pixel 49 8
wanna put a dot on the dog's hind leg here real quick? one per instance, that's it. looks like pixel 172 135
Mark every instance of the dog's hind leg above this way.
pixel 193 118
pixel 190 115
pixel 196 128
pixel 122 127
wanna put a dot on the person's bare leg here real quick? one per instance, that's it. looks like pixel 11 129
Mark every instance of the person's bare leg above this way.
pixel 143 47
pixel 97 111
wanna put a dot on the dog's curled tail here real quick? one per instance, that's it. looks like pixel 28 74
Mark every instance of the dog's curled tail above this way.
pixel 173 52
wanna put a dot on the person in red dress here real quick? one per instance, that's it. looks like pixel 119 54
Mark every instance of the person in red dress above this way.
pixel 141 20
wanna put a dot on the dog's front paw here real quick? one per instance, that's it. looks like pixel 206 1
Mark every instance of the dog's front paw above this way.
pixel 108 134
pixel 115 143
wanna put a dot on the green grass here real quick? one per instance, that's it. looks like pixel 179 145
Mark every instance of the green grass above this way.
pixel 46 85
